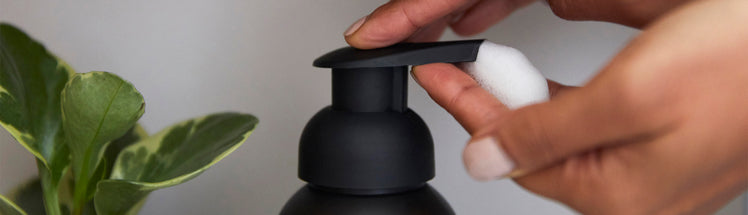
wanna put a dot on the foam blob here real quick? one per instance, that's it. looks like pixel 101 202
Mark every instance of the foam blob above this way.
pixel 507 74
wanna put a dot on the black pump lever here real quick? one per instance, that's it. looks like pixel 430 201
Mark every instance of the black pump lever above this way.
pixel 375 80
pixel 403 54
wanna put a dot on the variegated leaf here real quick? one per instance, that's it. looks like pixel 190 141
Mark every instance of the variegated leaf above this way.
pixel 97 108
pixel 9 208
pixel 31 79
pixel 171 157
pixel 132 136
pixel 29 197
pixel 104 169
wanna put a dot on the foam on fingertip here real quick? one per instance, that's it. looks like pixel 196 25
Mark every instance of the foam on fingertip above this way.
pixel 507 74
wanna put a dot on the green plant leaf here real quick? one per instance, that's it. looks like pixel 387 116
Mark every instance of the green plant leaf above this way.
pixel 103 170
pixel 65 192
pixel 9 208
pixel 97 108
pixel 31 79
pixel 132 136
pixel 173 156
pixel 29 197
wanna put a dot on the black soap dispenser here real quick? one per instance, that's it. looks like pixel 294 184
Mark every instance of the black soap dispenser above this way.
pixel 368 144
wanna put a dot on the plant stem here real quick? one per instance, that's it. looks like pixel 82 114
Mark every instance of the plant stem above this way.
pixel 79 195
pixel 49 190
pixel 81 188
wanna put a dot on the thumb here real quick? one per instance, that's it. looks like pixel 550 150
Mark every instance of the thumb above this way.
pixel 540 135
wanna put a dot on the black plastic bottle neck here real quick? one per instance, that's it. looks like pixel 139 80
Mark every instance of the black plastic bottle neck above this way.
pixel 370 89
pixel 368 142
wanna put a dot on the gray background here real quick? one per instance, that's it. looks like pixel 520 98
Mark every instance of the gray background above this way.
pixel 195 57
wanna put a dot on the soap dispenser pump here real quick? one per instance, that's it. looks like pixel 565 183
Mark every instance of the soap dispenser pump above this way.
pixel 368 142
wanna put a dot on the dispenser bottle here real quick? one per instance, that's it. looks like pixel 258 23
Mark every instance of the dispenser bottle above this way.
pixel 368 145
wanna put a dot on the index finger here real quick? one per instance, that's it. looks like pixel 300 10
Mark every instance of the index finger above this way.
pixel 458 93
pixel 397 20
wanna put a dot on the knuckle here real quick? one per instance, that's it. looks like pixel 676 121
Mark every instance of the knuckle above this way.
pixel 632 101
pixel 409 19
pixel 633 13
pixel 643 101
pixel 419 14
pixel 533 148
pixel 540 144
pixel 564 9
pixel 456 99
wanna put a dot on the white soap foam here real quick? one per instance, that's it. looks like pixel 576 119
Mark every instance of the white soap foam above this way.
pixel 507 74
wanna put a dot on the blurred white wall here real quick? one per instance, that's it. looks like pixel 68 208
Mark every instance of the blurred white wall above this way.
pixel 195 57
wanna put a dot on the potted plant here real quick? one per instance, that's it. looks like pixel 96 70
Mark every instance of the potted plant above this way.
pixel 92 156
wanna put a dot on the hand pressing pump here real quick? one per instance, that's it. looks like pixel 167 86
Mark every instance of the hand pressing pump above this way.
pixel 369 143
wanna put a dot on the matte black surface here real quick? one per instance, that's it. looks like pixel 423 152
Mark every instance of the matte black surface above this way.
pixel 366 153
pixel 311 201
pixel 370 89
pixel 368 142
pixel 403 54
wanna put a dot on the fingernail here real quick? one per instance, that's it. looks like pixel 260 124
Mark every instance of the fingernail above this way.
pixel 413 74
pixel 355 26
pixel 485 160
